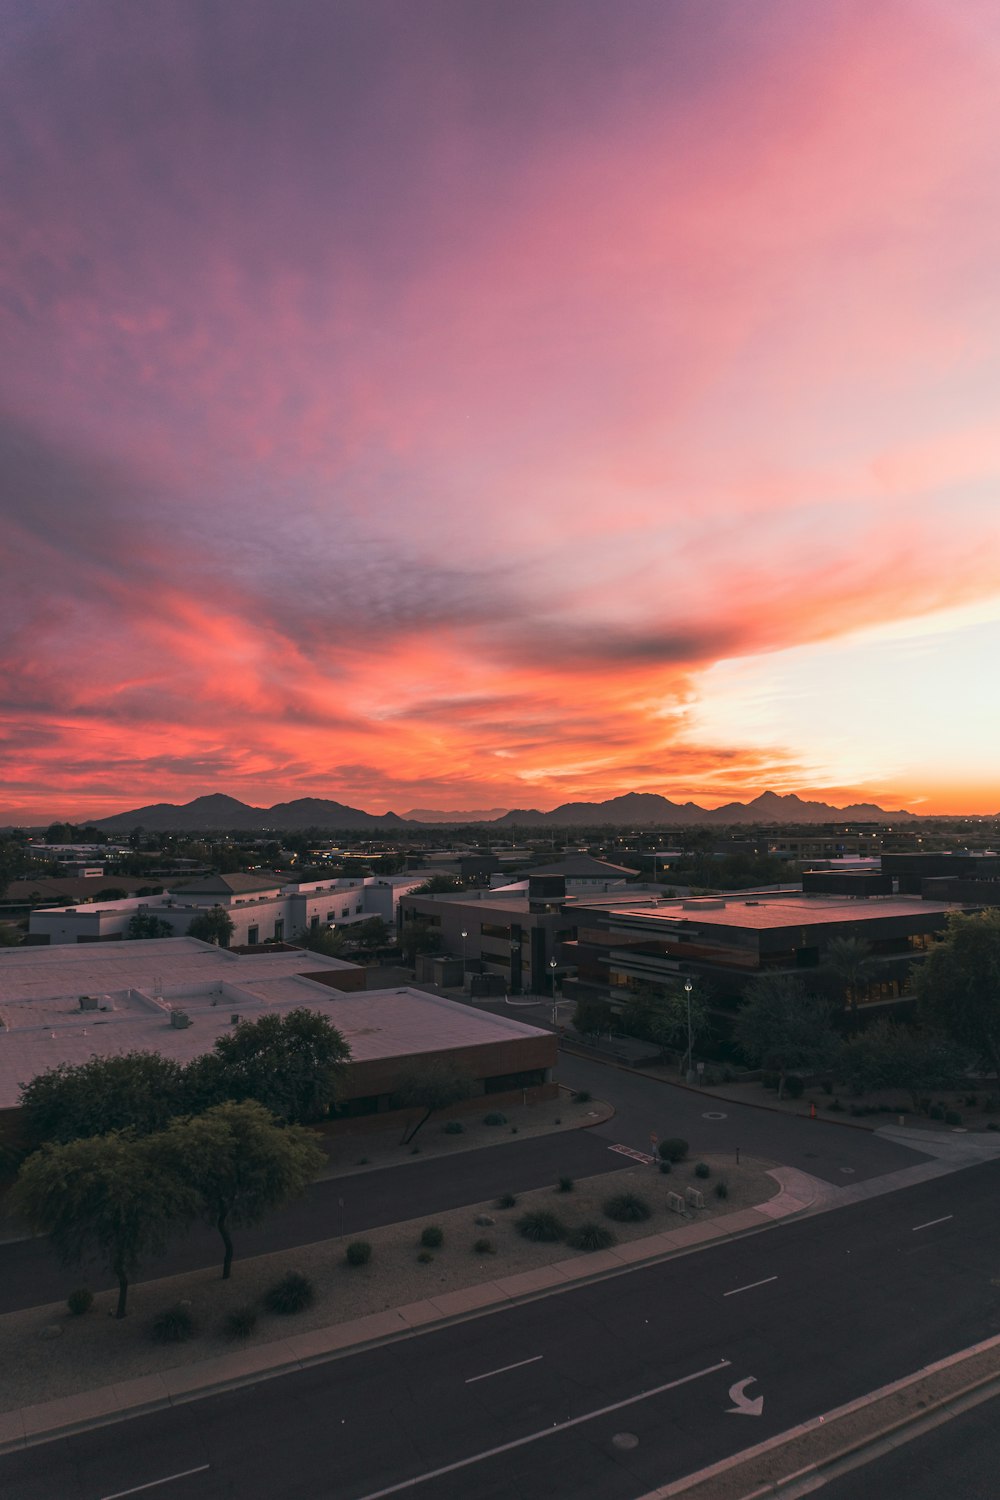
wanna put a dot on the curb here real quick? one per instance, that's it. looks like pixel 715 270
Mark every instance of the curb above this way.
pixel 914 1422
pixel 105 1411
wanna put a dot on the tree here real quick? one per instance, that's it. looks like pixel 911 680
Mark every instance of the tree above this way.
pixel 372 935
pixel 438 885
pixel 240 1164
pixel 591 1017
pixel 292 1064
pixel 145 925
pixel 330 941
pixel 418 936
pixel 781 1028
pixel 214 926
pixel 958 984
pixel 888 1055
pixel 435 1085
pixel 669 1020
pixel 105 1195
pixel 138 1091
pixel 849 960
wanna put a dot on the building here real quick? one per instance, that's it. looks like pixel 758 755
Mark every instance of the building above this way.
pixel 174 996
pixel 727 940
pixel 262 908
pixel 909 871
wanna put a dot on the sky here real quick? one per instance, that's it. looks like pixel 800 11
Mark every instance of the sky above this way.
pixel 499 403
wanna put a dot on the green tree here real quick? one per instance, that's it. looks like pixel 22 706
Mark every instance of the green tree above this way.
pixel 372 935
pixel 418 936
pixel 669 1020
pixel 849 961
pixel 435 1085
pixel 105 1195
pixel 888 1055
pixel 292 1064
pixel 138 1091
pixel 438 885
pixel 592 1017
pixel 214 926
pixel 330 941
pixel 781 1028
pixel 145 925
pixel 958 984
pixel 240 1164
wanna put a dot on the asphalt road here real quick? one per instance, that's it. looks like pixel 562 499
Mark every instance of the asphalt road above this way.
pixel 600 1393
pixel 960 1459
pixel 643 1105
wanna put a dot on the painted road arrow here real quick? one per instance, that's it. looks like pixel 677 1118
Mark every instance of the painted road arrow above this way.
pixel 745 1407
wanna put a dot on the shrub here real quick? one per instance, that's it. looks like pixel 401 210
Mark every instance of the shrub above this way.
pixel 592 1237
pixel 358 1253
pixel 971 1101
pixel 362 1161
pixel 80 1301
pixel 484 1247
pixel 835 1107
pixel 710 1078
pixel 415 1151
pixel 566 1185
pixel 425 1257
pixel 453 1127
pixel 507 1200
pixel 936 1112
pixel 513 1130
pixel 666 1166
pixel 793 1086
pixel 952 1117
pixel 432 1237
pixel 721 1188
pixel 703 1169
pixel 291 1294
pixel 541 1226
pixel 991 1103
pixel 673 1148
pixel 627 1208
pixel 770 1080
pixel 173 1325
pixel 582 1096
pixel 727 1075
pixel 240 1323
pixel 557 1120
pixel 494 1118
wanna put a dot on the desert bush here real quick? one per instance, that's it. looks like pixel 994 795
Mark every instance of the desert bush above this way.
pixel 673 1148
pixel 80 1300
pixel 627 1208
pixel 432 1237
pixel 721 1189
pixel 240 1323
pixel 541 1226
pixel 794 1087
pixel 292 1294
pixel 952 1117
pixel 494 1118
pixel 565 1185
pixel 702 1169
pixel 453 1127
pixel 666 1166
pixel 582 1096
pixel 173 1326
pixel 591 1237
pixel 484 1247
pixel 425 1257
pixel 507 1200
pixel 358 1253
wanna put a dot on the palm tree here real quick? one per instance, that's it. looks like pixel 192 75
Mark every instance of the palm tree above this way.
pixel 849 959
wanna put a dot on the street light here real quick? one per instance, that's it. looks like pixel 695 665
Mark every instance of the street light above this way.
pixel 464 936
pixel 688 987
pixel 553 966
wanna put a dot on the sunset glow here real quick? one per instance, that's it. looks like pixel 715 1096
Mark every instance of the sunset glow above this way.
pixel 465 404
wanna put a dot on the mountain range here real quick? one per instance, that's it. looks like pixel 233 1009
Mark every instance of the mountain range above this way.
pixel 219 813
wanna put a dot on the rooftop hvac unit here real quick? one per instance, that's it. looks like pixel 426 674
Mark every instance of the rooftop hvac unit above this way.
pixel 234 1019
pixel 179 1019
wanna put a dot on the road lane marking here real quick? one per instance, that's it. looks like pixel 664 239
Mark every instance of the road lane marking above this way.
pixel 534 1437
pixel 931 1222
pixel 504 1368
pixel 630 1151
pixel 749 1286
pixel 119 1494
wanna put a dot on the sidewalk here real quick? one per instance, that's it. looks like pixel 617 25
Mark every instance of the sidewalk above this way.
pixel 48 1420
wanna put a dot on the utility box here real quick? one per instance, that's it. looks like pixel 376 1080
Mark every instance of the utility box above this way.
pixel 179 1019
pixel 88 1002
pixel 675 1203
pixel 694 1198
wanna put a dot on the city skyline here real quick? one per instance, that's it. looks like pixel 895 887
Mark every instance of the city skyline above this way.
pixel 500 405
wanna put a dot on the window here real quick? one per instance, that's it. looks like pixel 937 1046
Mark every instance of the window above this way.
pixel 358 910
pixel 279 930
pixel 490 929
pixel 253 935
pixel 346 911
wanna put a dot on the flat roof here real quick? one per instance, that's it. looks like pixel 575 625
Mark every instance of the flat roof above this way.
pixel 45 1029
pixel 784 910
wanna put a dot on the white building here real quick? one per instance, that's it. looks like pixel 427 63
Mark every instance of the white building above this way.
pixel 261 908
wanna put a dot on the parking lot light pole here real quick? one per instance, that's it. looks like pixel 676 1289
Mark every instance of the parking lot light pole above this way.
pixel 688 987
pixel 553 965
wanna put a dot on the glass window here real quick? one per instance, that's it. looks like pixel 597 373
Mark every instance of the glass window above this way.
pixel 279 930
pixel 253 935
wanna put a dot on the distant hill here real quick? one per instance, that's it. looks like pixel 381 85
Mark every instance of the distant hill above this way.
pixel 652 810
pixel 220 813
pixel 474 815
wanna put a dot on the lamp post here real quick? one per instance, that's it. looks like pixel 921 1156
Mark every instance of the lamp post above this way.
pixel 553 965
pixel 464 936
pixel 515 968
pixel 688 987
